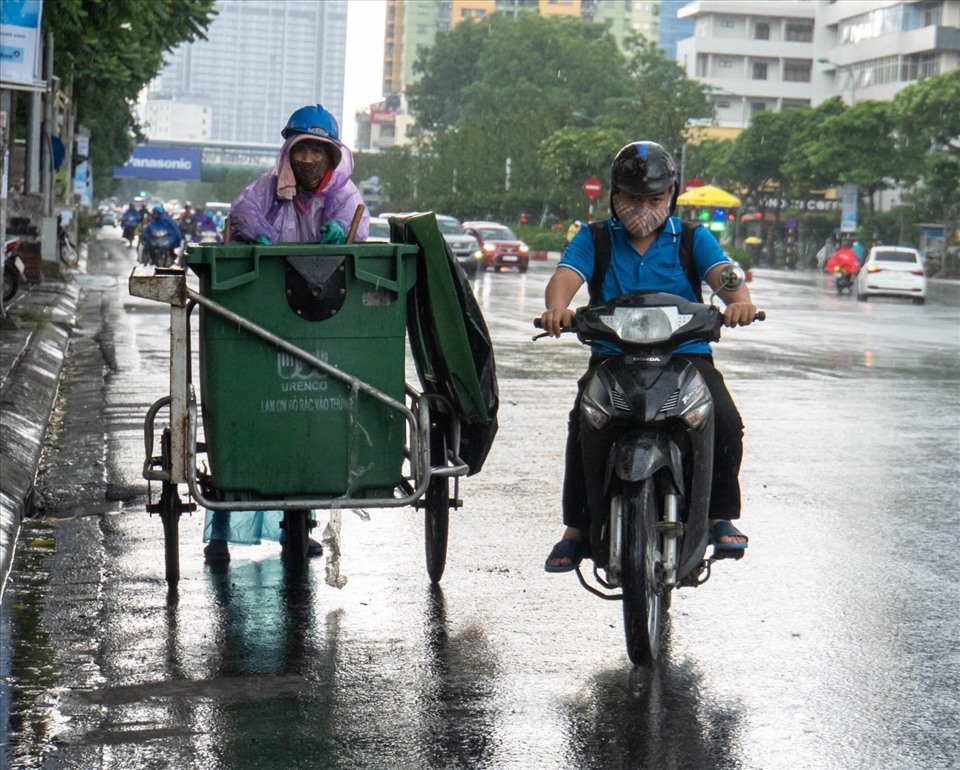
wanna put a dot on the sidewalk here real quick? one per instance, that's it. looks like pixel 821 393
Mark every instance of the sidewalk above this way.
pixel 33 344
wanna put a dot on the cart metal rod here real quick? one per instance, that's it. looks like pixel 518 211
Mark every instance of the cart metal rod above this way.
pixel 303 355
pixel 316 503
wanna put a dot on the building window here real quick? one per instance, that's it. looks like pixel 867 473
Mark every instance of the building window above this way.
pixel 727 23
pixel 724 105
pixel 762 31
pixel 796 71
pixel 724 64
pixel 921 65
pixel 759 70
pixel 756 107
pixel 797 32
pixel 421 29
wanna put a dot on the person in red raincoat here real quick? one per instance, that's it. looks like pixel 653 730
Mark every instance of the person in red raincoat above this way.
pixel 845 259
pixel 843 265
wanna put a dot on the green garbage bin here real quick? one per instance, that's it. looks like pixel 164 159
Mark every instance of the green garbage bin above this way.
pixel 274 426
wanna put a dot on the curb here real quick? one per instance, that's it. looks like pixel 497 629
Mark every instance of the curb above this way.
pixel 33 354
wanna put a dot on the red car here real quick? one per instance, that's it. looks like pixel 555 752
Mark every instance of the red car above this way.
pixel 499 246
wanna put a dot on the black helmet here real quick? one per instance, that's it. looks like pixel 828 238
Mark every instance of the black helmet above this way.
pixel 644 168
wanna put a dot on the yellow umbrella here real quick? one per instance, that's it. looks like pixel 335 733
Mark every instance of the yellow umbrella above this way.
pixel 708 195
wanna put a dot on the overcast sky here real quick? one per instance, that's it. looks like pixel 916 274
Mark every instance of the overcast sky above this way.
pixel 363 82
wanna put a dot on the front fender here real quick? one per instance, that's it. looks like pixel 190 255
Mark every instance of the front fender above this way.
pixel 639 456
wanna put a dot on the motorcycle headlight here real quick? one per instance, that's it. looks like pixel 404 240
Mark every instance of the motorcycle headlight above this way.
pixel 695 402
pixel 595 404
pixel 645 324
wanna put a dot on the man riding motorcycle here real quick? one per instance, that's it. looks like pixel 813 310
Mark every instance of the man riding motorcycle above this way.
pixel 643 240
pixel 160 239
pixel 129 221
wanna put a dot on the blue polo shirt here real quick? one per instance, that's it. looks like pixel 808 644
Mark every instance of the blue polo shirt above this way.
pixel 659 269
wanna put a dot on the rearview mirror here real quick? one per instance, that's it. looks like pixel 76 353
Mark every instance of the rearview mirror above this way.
pixel 732 277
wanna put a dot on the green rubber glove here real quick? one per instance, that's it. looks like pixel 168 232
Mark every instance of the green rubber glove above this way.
pixel 263 240
pixel 332 233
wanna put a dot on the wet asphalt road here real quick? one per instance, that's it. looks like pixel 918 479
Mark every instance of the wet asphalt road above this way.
pixel 833 644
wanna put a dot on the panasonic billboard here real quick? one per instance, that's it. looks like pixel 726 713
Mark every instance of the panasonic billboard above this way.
pixel 161 163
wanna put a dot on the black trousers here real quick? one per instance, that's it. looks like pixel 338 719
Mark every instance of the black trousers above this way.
pixel 727 450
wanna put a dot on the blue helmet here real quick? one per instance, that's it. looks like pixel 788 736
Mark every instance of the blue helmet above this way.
pixel 314 120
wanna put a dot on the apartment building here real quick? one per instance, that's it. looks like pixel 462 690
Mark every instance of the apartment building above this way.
pixel 870 49
pixel 772 55
pixel 755 55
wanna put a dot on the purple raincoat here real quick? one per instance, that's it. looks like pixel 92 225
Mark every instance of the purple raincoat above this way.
pixel 271 208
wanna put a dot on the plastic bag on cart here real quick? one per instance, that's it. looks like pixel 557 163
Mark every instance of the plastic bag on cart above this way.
pixel 242 527
pixel 459 362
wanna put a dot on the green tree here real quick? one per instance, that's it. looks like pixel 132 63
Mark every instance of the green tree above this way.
pixel 927 119
pixel 927 115
pixel 663 99
pixel 105 52
pixel 571 155
pixel 444 70
pixel 500 102
pixel 855 146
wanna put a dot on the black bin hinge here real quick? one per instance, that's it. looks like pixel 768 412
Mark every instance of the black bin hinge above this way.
pixel 316 286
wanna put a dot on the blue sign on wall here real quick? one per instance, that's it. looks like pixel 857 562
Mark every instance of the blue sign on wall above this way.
pixel 148 162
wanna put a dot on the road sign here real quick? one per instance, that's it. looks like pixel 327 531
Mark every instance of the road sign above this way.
pixel 591 187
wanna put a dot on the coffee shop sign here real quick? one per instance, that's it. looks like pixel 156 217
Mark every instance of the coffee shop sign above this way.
pixel 806 204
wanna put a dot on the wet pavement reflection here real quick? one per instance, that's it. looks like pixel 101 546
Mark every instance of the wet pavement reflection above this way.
pixel 831 645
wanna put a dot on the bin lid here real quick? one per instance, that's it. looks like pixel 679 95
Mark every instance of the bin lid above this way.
pixel 448 337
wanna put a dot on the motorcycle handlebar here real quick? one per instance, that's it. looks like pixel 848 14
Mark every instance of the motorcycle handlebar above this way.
pixel 760 316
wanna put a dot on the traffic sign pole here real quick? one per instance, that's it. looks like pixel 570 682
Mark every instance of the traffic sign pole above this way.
pixel 591 188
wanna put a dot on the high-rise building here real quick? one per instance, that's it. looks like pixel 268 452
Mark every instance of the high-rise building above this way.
pixel 673 28
pixel 262 59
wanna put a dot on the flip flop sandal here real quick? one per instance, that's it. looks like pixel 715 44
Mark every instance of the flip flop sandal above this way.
pixel 565 549
pixel 724 528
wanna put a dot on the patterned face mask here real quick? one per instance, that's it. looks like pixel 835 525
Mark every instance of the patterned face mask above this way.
pixel 637 218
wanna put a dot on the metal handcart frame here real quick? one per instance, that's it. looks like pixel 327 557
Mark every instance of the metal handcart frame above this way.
pixel 431 444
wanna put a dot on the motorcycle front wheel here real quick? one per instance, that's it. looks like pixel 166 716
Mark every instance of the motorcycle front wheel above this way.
pixel 643 594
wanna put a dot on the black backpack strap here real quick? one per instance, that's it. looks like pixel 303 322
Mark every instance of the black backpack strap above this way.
pixel 685 255
pixel 601 260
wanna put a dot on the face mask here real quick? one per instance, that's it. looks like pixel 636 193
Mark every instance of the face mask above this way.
pixel 639 220
pixel 309 174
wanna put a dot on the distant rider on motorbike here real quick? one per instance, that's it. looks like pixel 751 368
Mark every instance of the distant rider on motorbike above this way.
pixel 129 221
pixel 160 223
pixel 644 256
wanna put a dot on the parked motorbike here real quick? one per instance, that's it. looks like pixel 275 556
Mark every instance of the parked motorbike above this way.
pixel 13 270
pixel 648 419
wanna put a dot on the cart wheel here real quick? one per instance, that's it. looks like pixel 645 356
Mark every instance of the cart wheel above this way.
pixel 436 517
pixel 297 526
pixel 170 509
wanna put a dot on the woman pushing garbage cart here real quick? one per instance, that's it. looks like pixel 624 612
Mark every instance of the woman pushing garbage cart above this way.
pixel 303 399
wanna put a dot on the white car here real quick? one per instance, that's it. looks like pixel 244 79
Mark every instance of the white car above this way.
pixel 895 271
pixel 379 230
